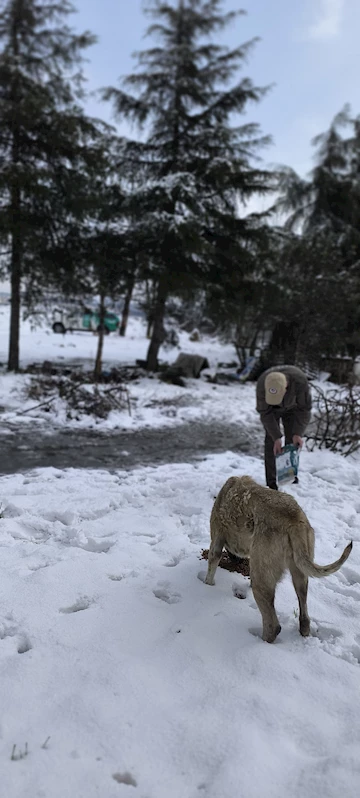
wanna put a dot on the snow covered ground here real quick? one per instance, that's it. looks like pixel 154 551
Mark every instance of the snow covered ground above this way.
pixel 121 673
pixel 39 344
pixel 152 403
pixel 148 682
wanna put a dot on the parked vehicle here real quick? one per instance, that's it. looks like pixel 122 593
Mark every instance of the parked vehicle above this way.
pixel 83 320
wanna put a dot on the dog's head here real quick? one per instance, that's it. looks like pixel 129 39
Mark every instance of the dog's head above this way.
pixel 256 500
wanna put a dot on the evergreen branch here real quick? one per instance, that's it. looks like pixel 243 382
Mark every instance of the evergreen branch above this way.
pixel 126 105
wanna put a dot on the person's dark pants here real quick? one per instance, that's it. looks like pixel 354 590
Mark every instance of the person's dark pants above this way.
pixel 270 466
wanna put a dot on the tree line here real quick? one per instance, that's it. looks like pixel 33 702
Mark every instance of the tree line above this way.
pixel 85 210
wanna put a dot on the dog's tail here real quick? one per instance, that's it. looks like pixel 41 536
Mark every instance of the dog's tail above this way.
pixel 308 568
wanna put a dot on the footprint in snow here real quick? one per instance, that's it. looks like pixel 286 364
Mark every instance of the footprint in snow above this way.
pixel 9 629
pixel 97 546
pixel 355 651
pixel 349 592
pixel 125 778
pixel 125 575
pixel 11 511
pixel 326 632
pixel 175 560
pixel 65 518
pixel 38 566
pixel 239 591
pixel 330 641
pixel 151 538
pixel 164 593
pixel 24 645
pixel 349 575
pixel 350 654
pixel 82 603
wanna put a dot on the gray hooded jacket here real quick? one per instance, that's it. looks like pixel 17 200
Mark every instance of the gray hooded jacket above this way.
pixel 296 402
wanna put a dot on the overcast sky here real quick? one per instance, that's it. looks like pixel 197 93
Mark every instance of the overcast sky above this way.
pixel 309 49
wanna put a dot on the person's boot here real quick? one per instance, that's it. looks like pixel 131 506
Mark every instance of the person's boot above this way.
pixel 296 481
pixel 273 486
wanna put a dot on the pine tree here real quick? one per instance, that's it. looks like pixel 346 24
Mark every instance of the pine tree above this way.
pixel 244 305
pixel 93 252
pixel 329 200
pixel 43 138
pixel 325 257
pixel 318 299
pixel 194 165
pixel 107 255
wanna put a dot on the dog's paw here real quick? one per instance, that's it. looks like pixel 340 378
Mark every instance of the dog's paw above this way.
pixel 304 628
pixel 269 635
pixel 202 575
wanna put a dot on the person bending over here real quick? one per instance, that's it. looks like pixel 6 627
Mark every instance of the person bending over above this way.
pixel 282 394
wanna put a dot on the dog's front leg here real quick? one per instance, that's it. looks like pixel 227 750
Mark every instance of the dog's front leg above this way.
pixel 214 558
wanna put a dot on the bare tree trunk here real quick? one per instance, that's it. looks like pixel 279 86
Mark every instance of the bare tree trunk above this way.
pixel 16 250
pixel 98 361
pixel 149 328
pixel 149 309
pixel 126 308
pixel 16 235
pixel 158 327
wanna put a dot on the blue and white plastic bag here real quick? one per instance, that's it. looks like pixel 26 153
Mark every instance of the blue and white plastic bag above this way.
pixel 287 464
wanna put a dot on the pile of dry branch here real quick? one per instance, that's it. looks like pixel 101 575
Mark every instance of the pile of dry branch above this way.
pixel 82 395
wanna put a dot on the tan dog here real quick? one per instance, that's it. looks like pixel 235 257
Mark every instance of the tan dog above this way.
pixel 271 530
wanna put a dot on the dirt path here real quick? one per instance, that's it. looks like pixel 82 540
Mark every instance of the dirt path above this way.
pixel 23 448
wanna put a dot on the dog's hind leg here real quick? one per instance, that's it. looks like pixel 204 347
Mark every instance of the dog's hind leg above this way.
pixel 264 596
pixel 263 583
pixel 300 583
